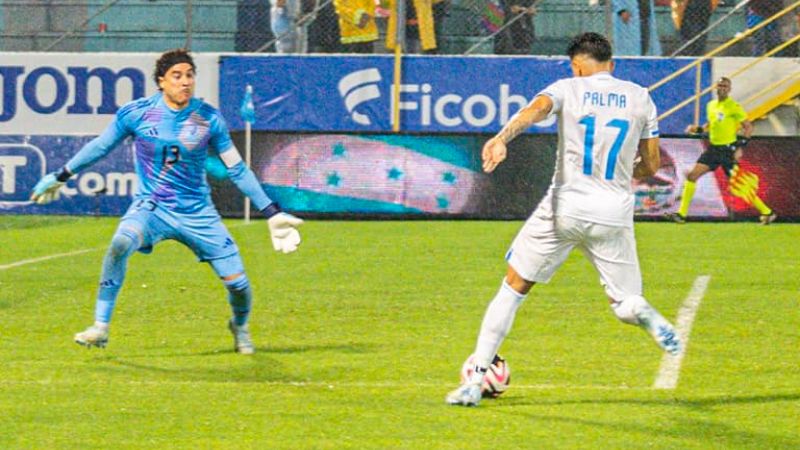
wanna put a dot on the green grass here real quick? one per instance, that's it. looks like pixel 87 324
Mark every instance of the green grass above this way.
pixel 362 333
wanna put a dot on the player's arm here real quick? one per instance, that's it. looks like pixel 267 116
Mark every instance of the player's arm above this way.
pixel 649 159
pixel 244 178
pixel 747 128
pixel 47 189
pixel 282 226
pixel 494 151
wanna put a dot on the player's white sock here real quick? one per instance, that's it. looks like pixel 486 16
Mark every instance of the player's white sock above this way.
pixel 101 326
pixel 497 323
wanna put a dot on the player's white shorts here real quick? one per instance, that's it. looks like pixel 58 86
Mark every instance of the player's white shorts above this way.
pixel 543 244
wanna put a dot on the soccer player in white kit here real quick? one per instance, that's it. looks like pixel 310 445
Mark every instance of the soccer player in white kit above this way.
pixel 608 134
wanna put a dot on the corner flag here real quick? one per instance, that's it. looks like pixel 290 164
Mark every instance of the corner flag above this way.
pixel 248 110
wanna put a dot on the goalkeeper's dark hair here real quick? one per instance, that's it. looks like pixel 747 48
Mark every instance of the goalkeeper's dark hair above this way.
pixel 592 44
pixel 169 59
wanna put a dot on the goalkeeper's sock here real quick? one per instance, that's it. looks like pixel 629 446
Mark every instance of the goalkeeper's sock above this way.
pixel 115 264
pixel 686 197
pixel 760 206
pixel 240 297
pixel 497 323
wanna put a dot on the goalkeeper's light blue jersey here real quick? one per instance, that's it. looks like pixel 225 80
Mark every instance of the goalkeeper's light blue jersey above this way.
pixel 170 149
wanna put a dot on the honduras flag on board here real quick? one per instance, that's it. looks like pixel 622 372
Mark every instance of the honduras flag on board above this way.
pixel 248 110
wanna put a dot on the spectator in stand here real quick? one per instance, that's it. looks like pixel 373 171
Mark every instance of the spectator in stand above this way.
pixel 420 30
pixel 283 17
pixel 323 27
pixel 635 32
pixel 440 13
pixel 357 25
pixel 691 18
pixel 517 38
pixel 769 36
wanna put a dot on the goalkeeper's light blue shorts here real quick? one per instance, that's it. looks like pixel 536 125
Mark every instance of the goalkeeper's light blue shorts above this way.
pixel 148 223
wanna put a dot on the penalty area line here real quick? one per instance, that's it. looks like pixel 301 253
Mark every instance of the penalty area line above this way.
pixel 45 258
pixel 670 368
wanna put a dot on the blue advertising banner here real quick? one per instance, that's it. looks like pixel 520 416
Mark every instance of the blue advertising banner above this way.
pixel 104 189
pixel 437 95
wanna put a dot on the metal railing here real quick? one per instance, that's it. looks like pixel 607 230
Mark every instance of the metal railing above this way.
pixel 697 63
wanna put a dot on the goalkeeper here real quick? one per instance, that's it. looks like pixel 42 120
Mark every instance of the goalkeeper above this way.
pixel 174 134
pixel 725 116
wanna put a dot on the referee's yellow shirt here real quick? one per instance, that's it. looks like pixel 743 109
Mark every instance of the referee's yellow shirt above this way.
pixel 723 120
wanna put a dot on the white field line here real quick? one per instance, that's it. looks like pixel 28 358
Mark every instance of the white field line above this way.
pixel 670 368
pixel 25 262
pixel 338 384
pixel 48 257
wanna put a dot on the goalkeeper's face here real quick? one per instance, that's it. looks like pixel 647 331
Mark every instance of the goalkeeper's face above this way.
pixel 178 85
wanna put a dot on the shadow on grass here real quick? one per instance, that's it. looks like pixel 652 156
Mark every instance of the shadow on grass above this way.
pixel 228 368
pixel 350 348
pixel 693 404
pixel 708 433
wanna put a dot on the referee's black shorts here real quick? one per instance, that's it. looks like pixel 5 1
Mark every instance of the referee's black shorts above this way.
pixel 719 155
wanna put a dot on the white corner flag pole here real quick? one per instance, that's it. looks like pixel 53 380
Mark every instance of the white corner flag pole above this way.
pixel 247 152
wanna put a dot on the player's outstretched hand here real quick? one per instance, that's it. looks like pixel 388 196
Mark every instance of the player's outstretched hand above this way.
pixel 283 229
pixel 494 152
pixel 47 189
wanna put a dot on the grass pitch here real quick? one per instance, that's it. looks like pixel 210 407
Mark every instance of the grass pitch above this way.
pixel 362 332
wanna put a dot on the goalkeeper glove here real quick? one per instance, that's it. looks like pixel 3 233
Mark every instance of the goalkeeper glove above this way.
pixel 282 228
pixel 48 188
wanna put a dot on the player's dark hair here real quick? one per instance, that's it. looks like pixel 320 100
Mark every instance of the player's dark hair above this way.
pixel 725 79
pixel 169 59
pixel 592 44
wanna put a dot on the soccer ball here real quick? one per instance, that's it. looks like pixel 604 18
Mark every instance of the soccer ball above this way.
pixel 497 378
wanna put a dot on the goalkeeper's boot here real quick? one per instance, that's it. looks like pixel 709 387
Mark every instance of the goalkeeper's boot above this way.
pixel 468 394
pixel 660 329
pixel 676 217
pixel 94 336
pixel 767 219
pixel 241 338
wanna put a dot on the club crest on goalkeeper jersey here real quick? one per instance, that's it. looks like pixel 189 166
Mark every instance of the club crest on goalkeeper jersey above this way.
pixel 170 149
pixel 601 120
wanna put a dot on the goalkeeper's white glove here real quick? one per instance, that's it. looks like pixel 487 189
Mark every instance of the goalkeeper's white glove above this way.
pixel 48 188
pixel 283 229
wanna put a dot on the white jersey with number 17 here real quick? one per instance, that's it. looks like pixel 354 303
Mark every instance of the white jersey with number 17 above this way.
pixel 601 120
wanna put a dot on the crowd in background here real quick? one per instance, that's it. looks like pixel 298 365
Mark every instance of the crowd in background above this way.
pixel 356 26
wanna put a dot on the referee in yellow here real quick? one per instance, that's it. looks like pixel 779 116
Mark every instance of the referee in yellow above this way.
pixel 725 117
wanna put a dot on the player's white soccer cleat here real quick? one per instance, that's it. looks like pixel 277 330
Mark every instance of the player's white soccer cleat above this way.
pixel 241 339
pixel 668 339
pixel 93 336
pixel 661 330
pixel 468 394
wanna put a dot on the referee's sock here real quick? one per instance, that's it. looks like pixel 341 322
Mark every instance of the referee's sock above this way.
pixel 686 197
pixel 761 206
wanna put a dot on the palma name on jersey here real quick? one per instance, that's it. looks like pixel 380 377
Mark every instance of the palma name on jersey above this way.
pixel 607 99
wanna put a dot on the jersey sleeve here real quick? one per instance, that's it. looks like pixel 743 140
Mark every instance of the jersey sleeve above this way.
pixel 102 145
pixel 556 92
pixel 220 140
pixel 650 129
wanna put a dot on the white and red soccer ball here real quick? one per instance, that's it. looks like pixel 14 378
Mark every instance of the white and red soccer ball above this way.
pixel 498 375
